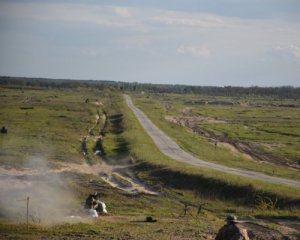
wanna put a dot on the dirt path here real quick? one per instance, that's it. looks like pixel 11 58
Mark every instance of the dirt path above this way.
pixel 167 146
pixel 125 183
pixel 111 174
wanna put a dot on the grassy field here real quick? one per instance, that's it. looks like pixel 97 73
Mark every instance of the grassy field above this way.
pixel 47 125
pixel 253 126
pixel 161 167
pixel 44 122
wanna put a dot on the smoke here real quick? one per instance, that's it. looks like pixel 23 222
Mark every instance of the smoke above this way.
pixel 50 199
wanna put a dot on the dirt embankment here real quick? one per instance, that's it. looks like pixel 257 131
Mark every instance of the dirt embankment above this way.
pixel 113 174
pixel 262 232
pixel 239 103
pixel 247 149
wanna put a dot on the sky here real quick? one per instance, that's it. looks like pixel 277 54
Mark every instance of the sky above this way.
pixel 193 42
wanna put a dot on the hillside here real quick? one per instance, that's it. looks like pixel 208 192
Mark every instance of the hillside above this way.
pixel 63 143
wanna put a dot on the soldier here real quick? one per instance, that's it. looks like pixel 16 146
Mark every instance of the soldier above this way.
pixel 101 207
pixel 231 231
pixel 3 130
pixel 91 201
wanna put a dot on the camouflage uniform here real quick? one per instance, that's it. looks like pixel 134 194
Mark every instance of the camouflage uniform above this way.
pixel 231 231
pixel 91 201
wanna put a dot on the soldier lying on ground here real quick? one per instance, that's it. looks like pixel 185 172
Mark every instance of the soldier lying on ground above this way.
pixel 93 202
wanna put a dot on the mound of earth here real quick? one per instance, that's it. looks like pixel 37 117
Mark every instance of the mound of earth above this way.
pixel 259 232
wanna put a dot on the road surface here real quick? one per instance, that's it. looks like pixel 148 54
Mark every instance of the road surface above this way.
pixel 167 146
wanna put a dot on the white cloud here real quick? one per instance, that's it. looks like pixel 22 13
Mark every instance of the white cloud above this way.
pixel 288 51
pixel 191 20
pixel 197 51
pixel 143 35
pixel 92 14
pixel 102 15
pixel 121 11
pixel 295 50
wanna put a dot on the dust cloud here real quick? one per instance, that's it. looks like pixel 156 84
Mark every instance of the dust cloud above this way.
pixel 50 199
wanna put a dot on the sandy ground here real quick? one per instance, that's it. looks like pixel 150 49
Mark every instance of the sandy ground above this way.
pixel 111 174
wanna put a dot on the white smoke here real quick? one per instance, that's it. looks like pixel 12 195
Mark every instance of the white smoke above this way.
pixel 50 199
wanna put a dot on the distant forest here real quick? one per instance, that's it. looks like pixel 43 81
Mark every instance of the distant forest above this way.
pixel 278 92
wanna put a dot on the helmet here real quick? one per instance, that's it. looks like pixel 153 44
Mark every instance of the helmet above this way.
pixel 231 219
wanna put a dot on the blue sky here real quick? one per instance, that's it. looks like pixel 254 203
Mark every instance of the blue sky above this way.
pixel 194 42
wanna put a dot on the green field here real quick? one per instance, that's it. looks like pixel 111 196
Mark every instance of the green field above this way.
pixel 47 124
pixel 269 134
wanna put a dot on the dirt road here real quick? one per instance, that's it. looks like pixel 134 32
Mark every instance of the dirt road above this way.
pixel 167 146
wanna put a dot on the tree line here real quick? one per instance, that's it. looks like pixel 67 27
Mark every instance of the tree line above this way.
pixel 231 91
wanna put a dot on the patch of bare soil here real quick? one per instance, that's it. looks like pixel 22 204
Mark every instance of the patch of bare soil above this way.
pixel 261 232
pixel 190 121
pixel 234 150
pixel 111 174
pixel 256 152
pixel 125 183
pixel 249 150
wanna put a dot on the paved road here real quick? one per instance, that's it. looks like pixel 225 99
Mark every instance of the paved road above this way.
pixel 167 146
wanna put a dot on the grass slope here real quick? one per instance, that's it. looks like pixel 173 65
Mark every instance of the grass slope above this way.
pixel 155 108
pixel 59 119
